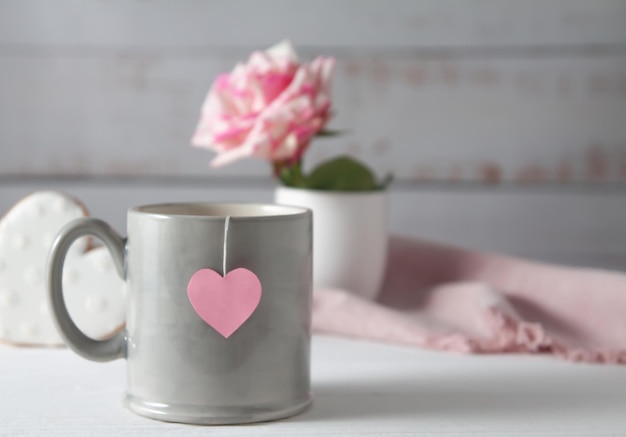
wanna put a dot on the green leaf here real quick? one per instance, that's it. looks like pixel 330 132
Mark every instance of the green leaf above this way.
pixel 342 174
pixel 387 180
pixel 329 133
pixel 292 176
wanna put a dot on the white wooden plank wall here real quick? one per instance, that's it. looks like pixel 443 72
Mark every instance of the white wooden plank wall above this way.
pixel 504 121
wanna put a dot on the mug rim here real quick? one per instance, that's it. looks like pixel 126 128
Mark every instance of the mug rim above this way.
pixel 263 211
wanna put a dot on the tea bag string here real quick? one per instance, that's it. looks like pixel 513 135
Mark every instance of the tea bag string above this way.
pixel 226 224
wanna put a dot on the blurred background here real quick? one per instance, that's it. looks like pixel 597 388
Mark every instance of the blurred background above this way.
pixel 504 121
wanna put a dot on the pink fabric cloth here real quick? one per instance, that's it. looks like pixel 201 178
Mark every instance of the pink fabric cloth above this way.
pixel 456 300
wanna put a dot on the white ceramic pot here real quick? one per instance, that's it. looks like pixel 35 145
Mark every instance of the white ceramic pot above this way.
pixel 349 237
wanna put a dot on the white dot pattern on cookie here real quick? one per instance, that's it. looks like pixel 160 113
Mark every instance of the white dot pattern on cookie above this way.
pixel 103 264
pixel 37 210
pixel 27 232
pixel 70 276
pixel 33 276
pixel 95 304
pixel 60 205
pixel 20 241
pixel 29 330
pixel 8 298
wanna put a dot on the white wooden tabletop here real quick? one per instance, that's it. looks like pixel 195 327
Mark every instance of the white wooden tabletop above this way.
pixel 360 389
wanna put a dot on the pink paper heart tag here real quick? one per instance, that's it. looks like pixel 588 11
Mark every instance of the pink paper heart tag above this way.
pixel 224 302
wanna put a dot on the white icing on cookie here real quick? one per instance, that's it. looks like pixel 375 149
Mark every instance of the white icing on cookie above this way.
pixel 33 276
pixel 26 236
pixel 29 330
pixel 8 298
pixel 96 298
pixel 70 275
pixel 44 309
pixel 47 240
pixel 37 210
pixel 20 242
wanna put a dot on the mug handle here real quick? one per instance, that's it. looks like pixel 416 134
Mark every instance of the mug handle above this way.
pixel 95 350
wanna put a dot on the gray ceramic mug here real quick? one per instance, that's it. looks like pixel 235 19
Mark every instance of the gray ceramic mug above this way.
pixel 179 367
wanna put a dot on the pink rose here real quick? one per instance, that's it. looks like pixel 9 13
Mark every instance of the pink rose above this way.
pixel 270 107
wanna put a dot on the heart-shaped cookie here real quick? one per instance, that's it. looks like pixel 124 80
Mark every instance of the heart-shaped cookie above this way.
pixel 94 293
pixel 224 303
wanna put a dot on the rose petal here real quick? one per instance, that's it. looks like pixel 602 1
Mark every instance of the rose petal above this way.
pixel 270 107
